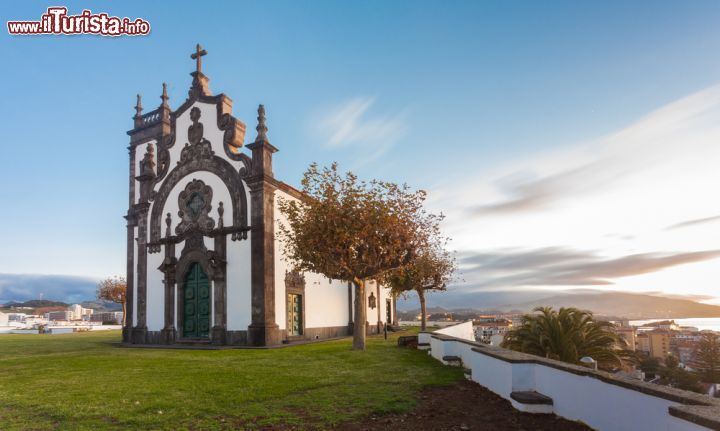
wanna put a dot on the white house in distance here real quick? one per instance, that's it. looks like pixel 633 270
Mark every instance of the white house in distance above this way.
pixel 203 263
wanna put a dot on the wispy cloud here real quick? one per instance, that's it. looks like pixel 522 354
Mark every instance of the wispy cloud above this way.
pixel 524 194
pixel 694 222
pixel 560 266
pixel 356 124
pixel 663 139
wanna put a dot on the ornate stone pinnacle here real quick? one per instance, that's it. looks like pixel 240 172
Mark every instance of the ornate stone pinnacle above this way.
pixel 138 107
pixel 164 96
pixel 261 127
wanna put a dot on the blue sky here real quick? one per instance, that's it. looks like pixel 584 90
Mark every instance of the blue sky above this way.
pixel 466 99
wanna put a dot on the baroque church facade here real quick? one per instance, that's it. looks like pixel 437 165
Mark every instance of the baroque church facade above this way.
pixel 203 261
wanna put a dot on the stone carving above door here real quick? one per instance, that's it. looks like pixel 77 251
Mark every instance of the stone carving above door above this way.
pixel 195 203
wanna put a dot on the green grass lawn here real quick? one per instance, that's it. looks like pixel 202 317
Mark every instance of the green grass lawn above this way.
pixel 85 381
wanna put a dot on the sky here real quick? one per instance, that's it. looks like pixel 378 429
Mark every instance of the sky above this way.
pixel 569 144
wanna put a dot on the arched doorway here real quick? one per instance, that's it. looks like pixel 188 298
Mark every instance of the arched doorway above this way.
pixel 196 303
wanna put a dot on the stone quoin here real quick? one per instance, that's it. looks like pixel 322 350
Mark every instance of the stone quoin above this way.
pixel 203 263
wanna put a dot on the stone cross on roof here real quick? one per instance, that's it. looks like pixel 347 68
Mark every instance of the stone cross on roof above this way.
pixel 197 56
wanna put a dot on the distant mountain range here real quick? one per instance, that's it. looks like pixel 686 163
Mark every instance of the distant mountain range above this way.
pixel 618 304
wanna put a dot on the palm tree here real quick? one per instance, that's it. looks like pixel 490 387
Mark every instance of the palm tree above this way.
pixel 566 335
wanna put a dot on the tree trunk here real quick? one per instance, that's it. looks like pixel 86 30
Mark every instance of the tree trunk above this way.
pixel 423 310
pixel 124 308
pixel 360 316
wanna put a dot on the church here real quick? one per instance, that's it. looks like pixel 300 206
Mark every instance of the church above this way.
pixel 204 265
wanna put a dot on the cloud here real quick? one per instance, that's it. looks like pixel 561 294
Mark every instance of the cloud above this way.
pixel 23 287
pixel 558 266
pixel 525 194
pixel 667 137
pixel 694 222
pixel 351 124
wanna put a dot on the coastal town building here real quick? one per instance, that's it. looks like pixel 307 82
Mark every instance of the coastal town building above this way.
pixel 112 317
pixel 667 325
pixel 203 262
pixel 491 331
pixel 79 312
pixel 65 316
pixel 655 343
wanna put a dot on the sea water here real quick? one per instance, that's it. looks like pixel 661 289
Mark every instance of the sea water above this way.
pixel 712 323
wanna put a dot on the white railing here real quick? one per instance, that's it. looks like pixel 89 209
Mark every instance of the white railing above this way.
pixel 601 400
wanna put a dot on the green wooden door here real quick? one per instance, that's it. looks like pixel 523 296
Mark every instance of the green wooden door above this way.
pixel 294 314
pixel 196 307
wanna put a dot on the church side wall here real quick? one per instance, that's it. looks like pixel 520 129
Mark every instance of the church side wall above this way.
pixel 326 301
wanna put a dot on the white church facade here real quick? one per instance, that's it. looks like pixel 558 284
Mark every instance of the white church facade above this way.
pixel 203 261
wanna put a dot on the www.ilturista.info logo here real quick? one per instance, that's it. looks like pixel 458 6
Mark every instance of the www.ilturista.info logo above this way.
pixel 57 21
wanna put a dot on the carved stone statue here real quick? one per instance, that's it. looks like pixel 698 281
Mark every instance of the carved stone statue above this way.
pixel 147 164
pixel 195 131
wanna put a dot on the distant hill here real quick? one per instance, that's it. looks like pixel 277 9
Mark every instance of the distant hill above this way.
pixel 629 305
pixel 621 304
pixel 99 305
pixel 35 303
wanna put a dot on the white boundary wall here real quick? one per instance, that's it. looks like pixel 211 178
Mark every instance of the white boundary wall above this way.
pixel 601 400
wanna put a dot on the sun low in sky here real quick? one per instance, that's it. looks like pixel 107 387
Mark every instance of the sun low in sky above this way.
pixel 570 144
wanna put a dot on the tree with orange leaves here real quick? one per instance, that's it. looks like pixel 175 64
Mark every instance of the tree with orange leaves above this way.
pixel 113 289
pixel 354 230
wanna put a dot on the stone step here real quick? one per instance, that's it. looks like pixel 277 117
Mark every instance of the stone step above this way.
pixel 452 360
pixel 531 402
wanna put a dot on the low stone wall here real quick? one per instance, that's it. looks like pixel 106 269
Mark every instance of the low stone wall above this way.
pixel 599 399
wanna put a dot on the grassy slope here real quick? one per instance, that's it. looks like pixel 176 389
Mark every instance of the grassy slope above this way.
pixel 83 381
